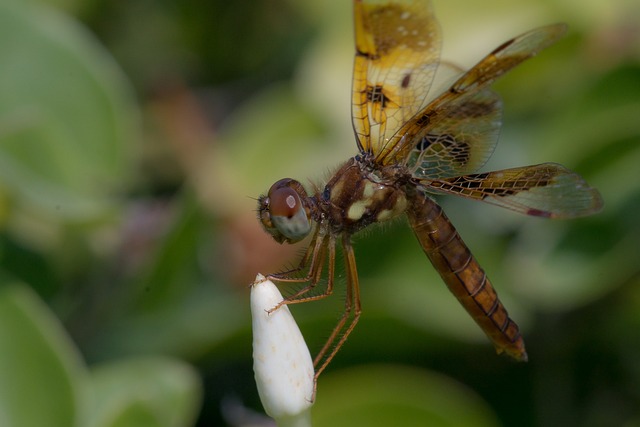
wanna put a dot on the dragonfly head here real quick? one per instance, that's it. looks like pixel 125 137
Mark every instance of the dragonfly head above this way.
pixel 284 211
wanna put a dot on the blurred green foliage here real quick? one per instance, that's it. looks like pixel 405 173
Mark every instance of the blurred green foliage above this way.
pixel 133 137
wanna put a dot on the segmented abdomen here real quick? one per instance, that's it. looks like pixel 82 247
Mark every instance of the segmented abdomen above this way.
pixel 463 275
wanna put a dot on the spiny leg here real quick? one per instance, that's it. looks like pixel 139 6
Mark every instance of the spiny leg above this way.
pixel 310 256
pixel 313 276
pixel 352 306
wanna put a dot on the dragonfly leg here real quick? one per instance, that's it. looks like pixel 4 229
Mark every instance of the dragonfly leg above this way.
pixel 352 310
pixel 317 259
pixel 310 254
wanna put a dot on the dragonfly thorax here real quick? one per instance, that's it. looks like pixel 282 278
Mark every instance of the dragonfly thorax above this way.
pixel 357 196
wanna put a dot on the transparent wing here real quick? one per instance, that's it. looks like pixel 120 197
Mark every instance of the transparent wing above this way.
pixel 547 190
pixel 397 53
pixel 467 105
pixel 461 141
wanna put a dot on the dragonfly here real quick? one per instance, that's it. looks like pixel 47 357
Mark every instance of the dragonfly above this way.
pixel 411 146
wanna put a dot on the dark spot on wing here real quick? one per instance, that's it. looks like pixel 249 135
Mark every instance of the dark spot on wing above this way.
pixel 367 55
pixel 445 146
pixel 538 212
pixel 423 120
pixel 375 95
pixel 406 80
pixel 424 143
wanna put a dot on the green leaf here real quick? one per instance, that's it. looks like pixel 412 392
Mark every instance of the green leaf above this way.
pixel 386 395
pixel 136 414
pixel 150 391
pixel 40 370
pixel 66 114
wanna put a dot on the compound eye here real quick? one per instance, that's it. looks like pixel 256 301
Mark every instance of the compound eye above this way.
pixel 284 202
pixel 288 214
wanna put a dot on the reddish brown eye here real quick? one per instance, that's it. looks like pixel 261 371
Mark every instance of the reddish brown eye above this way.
pixel 283 213
pixel 284 202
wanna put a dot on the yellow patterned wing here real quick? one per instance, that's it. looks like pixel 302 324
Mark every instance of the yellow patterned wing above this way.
pixel 456 132
pixel 397 53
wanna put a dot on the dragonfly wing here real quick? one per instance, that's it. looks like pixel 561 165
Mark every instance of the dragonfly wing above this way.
pixel 461 140
pixel 467 104
pixel 397 55
pixel 547 190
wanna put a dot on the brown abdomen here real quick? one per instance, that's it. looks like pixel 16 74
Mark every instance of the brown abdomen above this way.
pixel 463 275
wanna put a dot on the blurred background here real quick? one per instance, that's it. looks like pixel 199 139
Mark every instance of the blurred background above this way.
pixel 135 137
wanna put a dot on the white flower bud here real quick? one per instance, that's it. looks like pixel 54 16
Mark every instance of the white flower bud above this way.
pixel 281 361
